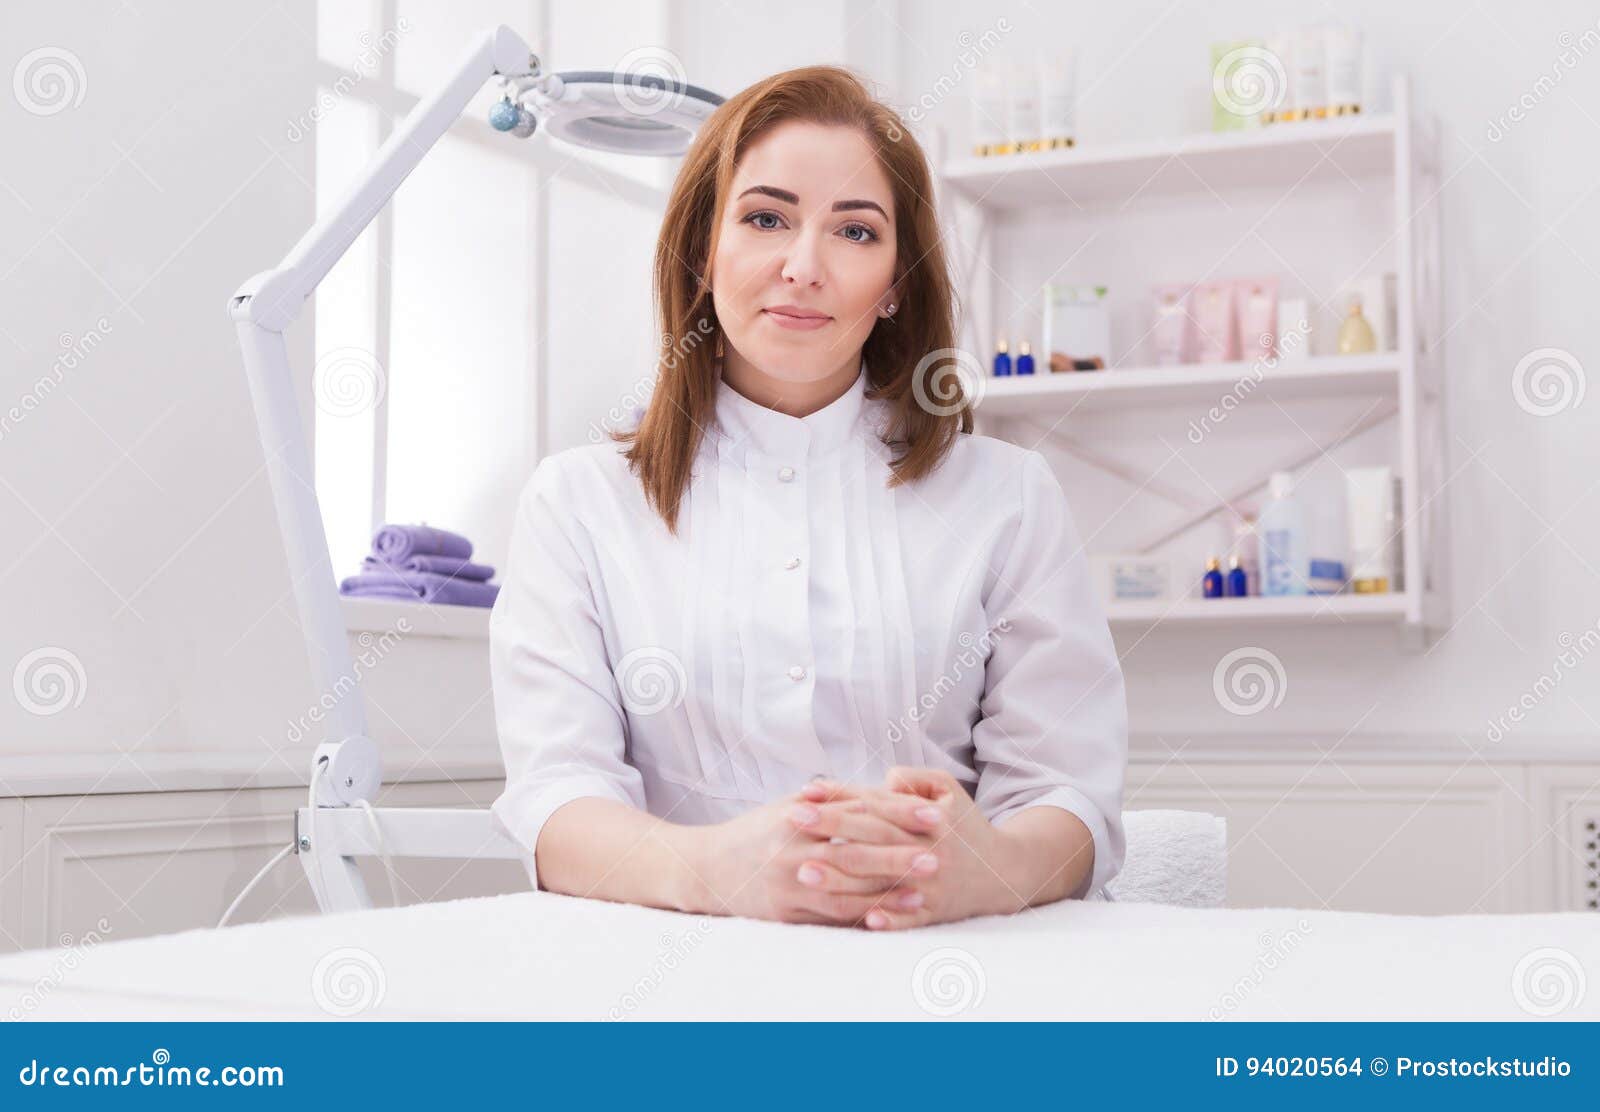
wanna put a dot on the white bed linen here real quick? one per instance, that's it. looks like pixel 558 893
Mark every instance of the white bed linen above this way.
pixel 541 955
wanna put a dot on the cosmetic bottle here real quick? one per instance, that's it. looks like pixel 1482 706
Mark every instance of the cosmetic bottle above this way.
pixel 1211 586
pixel 1022 119
pixel 1342 61
pixel 1238 581
pixel 990 113
pixel 1058 100
pixel 1282 527
pixel 1355 334
pixel 1002 360
pixel 1024 359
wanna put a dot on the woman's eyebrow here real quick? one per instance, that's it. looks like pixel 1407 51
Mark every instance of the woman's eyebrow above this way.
pixel 794 199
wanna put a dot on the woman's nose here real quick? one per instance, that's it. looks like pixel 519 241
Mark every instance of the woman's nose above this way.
pixel 803 265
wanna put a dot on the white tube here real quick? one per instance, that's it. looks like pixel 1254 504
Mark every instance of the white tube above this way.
pixel 1369 508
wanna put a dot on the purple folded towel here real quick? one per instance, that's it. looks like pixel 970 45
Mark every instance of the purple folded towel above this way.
pixel 421 586
pixel 395 542
pixel 441 565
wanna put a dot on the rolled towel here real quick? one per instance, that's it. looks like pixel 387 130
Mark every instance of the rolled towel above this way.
pixel 1172 857
pixel 396 542
pixel 421 586
pixel 440 565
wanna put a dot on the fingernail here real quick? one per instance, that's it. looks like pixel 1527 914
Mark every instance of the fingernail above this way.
pixel 924 863
pixel 803 815
pixel 877 920
pixel 929 815
pixel 810 874
pixel 909 900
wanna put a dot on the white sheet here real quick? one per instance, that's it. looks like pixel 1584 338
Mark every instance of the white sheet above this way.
pixel 539 955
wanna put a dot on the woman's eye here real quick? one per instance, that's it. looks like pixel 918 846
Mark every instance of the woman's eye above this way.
pixel 754 217
pixel 867 234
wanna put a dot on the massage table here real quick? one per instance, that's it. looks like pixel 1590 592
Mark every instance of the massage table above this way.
pixel 540 955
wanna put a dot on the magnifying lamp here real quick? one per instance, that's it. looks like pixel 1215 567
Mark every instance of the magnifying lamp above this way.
pixel 628 113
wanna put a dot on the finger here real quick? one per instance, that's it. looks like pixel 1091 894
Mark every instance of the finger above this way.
pixel 887 918
pixel 822 790
pixel 862 859
pixel 909 812
pixel 848 819
pixel 845 907
pixel 929 783
pixel 823 877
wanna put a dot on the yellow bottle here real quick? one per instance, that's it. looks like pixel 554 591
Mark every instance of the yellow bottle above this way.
pixel 1355 334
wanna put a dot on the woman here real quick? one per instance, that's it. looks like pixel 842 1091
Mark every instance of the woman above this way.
pixel 800 646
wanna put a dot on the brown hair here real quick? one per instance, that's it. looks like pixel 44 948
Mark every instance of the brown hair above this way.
pixel 663 447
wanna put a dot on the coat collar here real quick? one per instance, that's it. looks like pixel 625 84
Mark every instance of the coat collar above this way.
pixel 742 421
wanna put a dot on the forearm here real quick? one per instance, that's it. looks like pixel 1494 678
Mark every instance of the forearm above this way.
pixel 1046 854
pixel 607 850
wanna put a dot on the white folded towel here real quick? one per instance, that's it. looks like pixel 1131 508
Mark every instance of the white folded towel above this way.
pixel 1172 857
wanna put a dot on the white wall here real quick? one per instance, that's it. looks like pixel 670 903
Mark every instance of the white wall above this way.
pixel 140 548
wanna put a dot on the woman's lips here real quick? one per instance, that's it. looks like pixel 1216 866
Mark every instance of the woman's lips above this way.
pixel 802 324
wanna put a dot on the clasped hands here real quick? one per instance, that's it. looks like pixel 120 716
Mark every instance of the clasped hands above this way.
pixel 913 852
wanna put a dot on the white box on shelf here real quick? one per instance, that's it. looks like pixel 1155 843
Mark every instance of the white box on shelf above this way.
pixel 1133 578
pixel 1295 332
pixel 1077 322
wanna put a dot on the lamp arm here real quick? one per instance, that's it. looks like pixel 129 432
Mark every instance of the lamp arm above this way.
pixel 262 308
pixel 273 298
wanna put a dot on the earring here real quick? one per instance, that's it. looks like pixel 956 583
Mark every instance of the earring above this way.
pixel 890 308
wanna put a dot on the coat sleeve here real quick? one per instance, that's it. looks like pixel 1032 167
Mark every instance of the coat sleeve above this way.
pixel 558 711
pixel 1053 725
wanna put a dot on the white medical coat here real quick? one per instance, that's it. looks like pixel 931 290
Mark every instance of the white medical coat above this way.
pixel 807 619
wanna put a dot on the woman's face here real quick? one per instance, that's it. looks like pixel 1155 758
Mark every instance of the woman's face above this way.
pixel 806 255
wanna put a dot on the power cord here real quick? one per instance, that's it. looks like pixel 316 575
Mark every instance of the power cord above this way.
pixel 311 834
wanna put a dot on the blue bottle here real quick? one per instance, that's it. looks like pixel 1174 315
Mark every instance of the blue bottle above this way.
pixel 1238 581
pixel 1024 359
pixel 1211 586
pixel 1002 361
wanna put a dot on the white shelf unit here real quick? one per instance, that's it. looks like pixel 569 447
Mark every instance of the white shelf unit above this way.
pixel 1077 184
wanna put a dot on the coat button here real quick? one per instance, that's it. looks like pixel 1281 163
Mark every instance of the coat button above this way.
pixel 797 673
pixel 786 474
